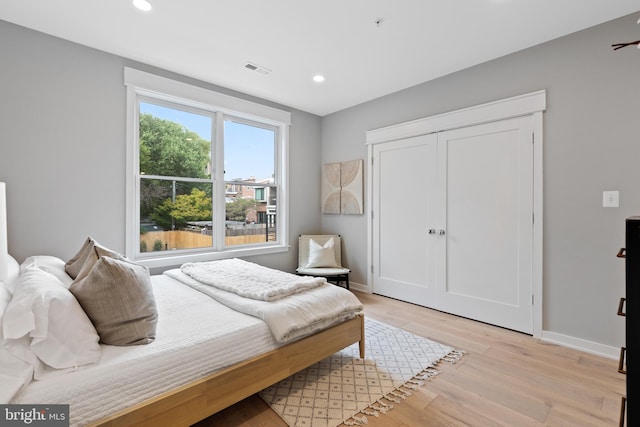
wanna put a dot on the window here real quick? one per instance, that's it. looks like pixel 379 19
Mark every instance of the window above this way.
pixel 207 174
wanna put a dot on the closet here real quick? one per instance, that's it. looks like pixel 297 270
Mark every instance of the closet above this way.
pixel 453 212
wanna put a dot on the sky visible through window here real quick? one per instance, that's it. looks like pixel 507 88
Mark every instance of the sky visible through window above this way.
pixel 248 151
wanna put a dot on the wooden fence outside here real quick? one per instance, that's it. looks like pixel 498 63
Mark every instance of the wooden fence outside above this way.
pixel 179 239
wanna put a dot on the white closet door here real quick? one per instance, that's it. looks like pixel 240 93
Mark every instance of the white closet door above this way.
pixel 404 177
pixel 485 180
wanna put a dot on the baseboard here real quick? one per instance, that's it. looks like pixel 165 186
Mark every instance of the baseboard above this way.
pixel 581 344
pixel 551 337
pixel 359 287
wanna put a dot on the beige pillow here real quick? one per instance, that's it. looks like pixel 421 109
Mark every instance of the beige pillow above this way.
pixel 118 298
pixel 88 254
pixel 74 265
pixel 92 257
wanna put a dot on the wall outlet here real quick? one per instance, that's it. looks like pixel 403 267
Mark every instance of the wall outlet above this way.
pixel 610 199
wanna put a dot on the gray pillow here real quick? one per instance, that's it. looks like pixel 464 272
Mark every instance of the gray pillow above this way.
pixel 81 263
pixel 93 256
pixel 74 265
pixel 118 298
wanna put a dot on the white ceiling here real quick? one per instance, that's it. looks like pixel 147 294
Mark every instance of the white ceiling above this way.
pixel 417 40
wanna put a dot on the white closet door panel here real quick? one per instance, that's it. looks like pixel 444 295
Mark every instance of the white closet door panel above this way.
pixel 482 216
pixel 486 182
pixel 404 178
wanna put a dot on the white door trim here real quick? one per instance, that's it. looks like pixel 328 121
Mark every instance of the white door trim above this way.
pixel 520 105
pixel 534 104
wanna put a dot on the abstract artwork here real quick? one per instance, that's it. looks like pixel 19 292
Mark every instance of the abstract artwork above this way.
pixel 342 187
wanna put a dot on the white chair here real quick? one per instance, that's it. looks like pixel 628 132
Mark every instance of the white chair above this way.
pixel 321 255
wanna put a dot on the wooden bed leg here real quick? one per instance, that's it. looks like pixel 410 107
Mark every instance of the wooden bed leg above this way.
pixel 361 343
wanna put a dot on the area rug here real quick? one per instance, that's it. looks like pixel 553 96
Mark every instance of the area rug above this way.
pixel 346 389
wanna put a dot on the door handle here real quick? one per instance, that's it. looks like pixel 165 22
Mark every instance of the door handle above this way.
pixel 431 231
pixel 441 232
pixel 623 353
pixel 621 307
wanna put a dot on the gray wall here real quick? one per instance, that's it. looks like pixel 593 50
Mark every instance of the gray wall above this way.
pixel 591 130
pixel 62 154
pixel 62 148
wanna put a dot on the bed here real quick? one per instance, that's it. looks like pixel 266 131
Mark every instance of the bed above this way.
pixel 204 356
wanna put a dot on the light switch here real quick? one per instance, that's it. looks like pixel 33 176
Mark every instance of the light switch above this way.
pixel 610 199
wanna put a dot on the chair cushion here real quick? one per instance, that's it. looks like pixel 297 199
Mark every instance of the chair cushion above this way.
pixel 324 272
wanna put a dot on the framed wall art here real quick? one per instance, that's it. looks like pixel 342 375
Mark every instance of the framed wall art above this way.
pixel 342 187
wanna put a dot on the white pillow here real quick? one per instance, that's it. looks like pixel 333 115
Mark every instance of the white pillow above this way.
pixel 62 336
pixel 14 272
pixel 5 297
pixel 6 288
pixel 50 264
pixel 321 255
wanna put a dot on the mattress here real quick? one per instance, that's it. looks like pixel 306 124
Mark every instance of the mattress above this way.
pixel 195 336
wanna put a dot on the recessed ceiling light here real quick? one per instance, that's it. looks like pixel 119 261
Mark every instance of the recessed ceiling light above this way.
pixel 318 78
pixel 144 5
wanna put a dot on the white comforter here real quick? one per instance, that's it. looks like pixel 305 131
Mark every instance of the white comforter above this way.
pixel 289 318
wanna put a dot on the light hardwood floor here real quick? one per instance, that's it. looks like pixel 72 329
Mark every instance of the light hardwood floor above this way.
pixel 504 379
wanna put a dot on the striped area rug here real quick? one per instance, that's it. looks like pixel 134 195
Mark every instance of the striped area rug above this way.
pixel 346 389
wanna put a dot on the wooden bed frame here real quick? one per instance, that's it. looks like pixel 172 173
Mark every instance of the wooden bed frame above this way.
pixel 201 398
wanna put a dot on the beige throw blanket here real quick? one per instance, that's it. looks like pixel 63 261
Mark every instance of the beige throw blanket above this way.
pixel 249 280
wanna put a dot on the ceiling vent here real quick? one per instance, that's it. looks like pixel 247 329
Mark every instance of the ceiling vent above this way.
pixel 254 67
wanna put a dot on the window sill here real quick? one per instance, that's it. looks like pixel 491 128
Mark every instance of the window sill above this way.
pixel 161 262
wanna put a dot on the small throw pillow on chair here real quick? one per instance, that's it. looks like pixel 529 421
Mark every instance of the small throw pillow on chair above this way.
pixel 321 255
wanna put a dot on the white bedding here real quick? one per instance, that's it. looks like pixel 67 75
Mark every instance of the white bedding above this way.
pixel 195 336
pixel 290 318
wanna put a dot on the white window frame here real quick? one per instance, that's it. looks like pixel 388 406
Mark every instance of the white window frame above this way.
pixel 153 87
